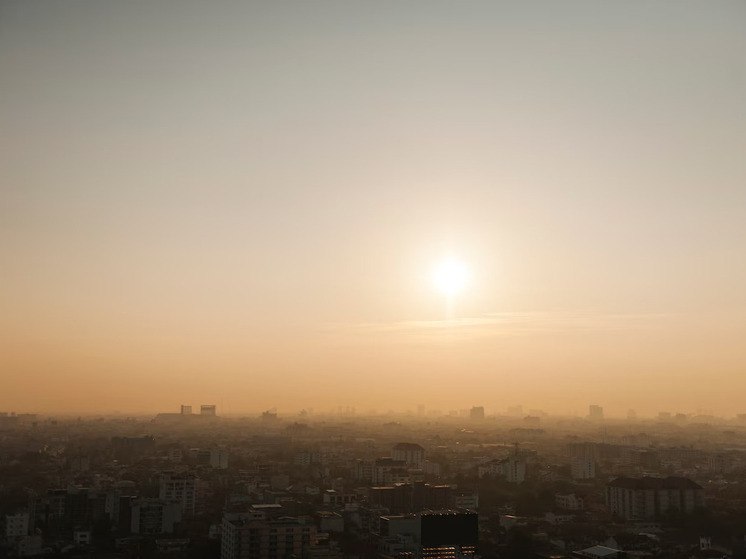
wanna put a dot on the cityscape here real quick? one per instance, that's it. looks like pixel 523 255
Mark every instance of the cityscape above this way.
pixel 373 279
pixel 465 484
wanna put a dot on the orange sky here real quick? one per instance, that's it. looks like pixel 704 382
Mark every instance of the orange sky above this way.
pixel 241 203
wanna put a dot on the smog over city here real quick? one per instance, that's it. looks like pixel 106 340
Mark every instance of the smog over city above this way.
pixel 389 279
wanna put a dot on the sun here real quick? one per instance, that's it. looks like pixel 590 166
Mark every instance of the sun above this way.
pixel 450 276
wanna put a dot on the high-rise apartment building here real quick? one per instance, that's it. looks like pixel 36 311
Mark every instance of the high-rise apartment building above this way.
pixel 595 413
pixel 648 497
pixel 413 455
pixel 179 488
pixel 582 467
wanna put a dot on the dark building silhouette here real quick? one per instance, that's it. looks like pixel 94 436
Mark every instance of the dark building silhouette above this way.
pixel 477 413
pixel 404 498
pixel 449 534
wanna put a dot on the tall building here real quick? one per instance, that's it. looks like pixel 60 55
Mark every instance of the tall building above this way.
pixel 413 455
pixel 208 410
pixel 387 471
pixel 595 413
pixel 648 497
pixel 512 469
pixel 181 489
pixel 582 467
pixel 186 410
pixel 153 516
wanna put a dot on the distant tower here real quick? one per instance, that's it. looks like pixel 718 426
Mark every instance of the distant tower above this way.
pixel 208 410
pixel 186 410
pixel 595 413
pixel 477 413
pixel 515 411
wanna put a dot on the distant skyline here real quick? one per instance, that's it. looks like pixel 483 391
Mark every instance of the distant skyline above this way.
pixel 243 202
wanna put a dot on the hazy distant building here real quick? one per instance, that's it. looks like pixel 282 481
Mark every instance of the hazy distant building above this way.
pixel 218 458
pixel 136 445
pixel 387 471
pixel 649 497
pixel 512 469
pixel 186 410
pixel 595 413
pixel 515 411
pixel 477 413
pixel 269 416
pixel 208 410
pixel 413 455
pixel 154 516
pixel 584 449
pixel 582 467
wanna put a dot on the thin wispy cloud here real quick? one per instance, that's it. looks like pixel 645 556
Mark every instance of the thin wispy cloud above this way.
pixel 507 324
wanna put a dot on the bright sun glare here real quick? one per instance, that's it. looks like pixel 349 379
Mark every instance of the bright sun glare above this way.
pixel 450 276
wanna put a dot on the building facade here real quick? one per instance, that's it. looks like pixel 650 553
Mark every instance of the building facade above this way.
pixel 244 537
pixel 649 497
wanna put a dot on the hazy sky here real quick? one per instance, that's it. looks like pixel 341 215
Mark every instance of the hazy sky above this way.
pixel 241 203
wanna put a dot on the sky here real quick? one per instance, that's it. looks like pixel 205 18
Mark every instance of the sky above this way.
pixel 241 203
